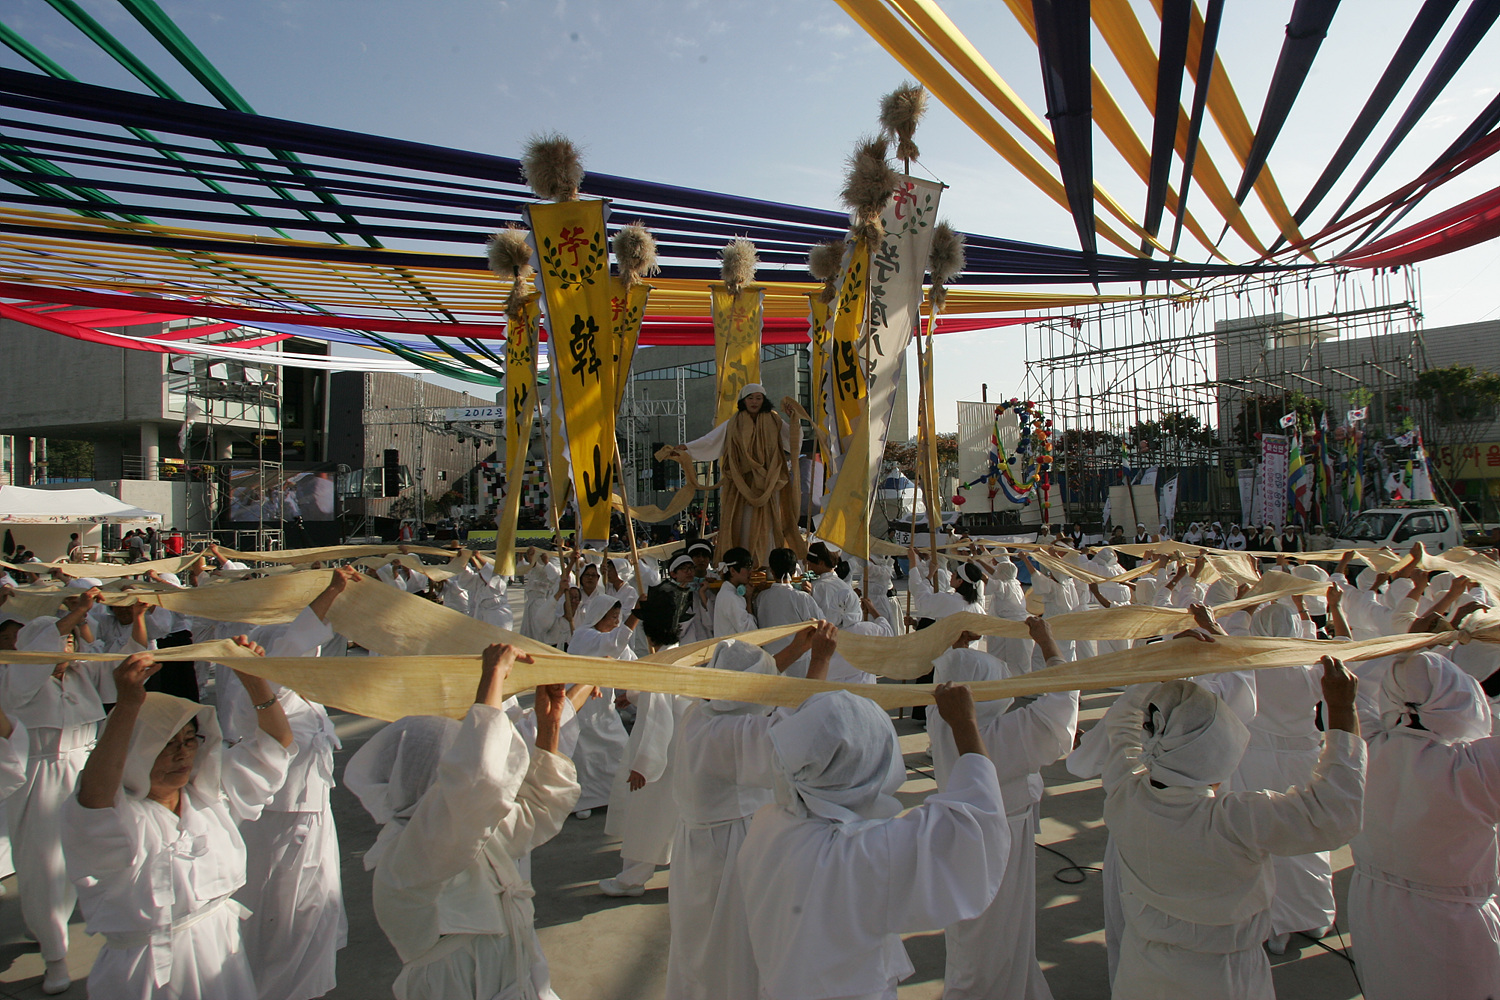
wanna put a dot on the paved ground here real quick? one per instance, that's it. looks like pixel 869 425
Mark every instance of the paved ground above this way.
pixel 615 949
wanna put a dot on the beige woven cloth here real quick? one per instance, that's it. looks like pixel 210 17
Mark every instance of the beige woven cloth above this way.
pixel 389 687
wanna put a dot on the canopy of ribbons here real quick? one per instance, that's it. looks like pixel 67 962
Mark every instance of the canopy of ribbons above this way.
pixel 121 208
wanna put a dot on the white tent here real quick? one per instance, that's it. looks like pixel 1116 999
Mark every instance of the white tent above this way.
pixel 43 520
pixel 19 505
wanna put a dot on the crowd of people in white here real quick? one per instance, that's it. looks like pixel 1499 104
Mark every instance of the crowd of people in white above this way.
pixel 197 836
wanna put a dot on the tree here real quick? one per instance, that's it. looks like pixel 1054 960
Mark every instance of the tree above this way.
pixel 1460 401
pixel 70 459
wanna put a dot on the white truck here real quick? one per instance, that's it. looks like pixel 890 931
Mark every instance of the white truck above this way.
pixel 1400 527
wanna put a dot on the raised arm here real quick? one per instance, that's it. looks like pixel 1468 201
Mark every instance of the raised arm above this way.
pixel 99 782
pixel 269 715
pixel 341 579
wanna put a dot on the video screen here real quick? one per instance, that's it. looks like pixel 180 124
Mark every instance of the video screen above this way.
pixel 308 495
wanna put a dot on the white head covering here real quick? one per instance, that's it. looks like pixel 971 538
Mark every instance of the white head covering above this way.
pixel 752 387
pixel 1145 591
pixel 1275 621
pixel 838 758
pixel 1437 589
pixel 1316 604
pixel 970 666
pixel 394 768
pixel 745 658
pixel 1108 560
pixel 679 562
pixel 1427 688
pixel 1005 571
pixel 84 583
pixel 622 567
pixel 1220 591
pixel 1396 591
pixel 160 719
pixel 1192 738
pixel 593 609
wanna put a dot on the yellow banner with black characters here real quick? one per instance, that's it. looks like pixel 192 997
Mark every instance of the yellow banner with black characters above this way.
pixel 848 327
pixel 737 327
pixel 818 315
pixel 846 515
pixel 627 309
pixel 572 254
pixel 520 415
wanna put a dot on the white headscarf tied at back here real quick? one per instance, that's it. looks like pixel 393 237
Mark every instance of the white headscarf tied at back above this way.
pixel 970 666
pixel 393 769
pixel 838 759
pixel 1192 739
pixel 1145 591
pixel 1275 621
pixel 1427 690
pixel 745 658
pixel 1005 571
pixel 1107 560
pixel 160 719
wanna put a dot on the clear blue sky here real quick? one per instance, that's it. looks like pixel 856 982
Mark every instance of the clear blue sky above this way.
pixel 763 98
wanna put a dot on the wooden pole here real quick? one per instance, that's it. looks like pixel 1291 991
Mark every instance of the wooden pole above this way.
pixel 927 418
pixel 635 554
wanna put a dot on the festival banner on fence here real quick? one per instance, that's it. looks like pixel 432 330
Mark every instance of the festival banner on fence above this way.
pixel 737 328
pixel 1247 497
pixel 848 324
pixel 572 265
pixel 520 414
pixel 1270 480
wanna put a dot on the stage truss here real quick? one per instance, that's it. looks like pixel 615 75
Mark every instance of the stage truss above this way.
pixel 1125 385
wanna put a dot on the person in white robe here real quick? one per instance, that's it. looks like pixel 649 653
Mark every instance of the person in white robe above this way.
pixel 994 954
pixel 731 608
pixel 484 593
pixel 61 706
pixel 835 597
pixel 1194 862
pixel 1423 904
pixel 153 845
pixel 14 752
pixel 539 619
pixel 840 670
pixel 458 803
pixel 1282 753
pixel 601 734
pixel 294 890
pixel 724 774
pixel 701 625
pixel 785 603
pixel 879 575
pixel 1108 595
pixel 1004 598
pixel 830 876
pixel 402 577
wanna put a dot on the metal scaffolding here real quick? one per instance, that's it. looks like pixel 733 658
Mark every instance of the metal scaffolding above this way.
pixel 1184 382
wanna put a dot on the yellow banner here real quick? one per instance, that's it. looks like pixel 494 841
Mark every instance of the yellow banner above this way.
pixel 737 325
pixel 627 309
pixel 848 324
pixel 574 276
pixel 819 313
pixel 846 516
pixel 520 415
pixel 557 458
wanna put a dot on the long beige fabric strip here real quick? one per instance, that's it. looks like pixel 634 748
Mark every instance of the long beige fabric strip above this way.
pixel 107 570
pixel 389 687
pixel 390 622
pixel 1055 565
